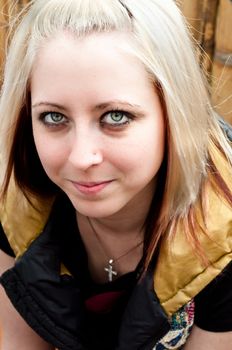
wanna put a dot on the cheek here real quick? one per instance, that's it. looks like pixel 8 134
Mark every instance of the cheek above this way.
pixel 153 150
pixel 145 151
pixel 154 145
pixel 141 155
pixel 50 156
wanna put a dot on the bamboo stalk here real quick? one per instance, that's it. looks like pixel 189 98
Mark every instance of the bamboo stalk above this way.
pixel 222 65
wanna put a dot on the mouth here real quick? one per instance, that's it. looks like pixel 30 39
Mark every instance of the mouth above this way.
pixel 91 187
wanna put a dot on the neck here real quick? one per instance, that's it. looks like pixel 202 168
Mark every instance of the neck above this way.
pixel 105 243
pixel 112 237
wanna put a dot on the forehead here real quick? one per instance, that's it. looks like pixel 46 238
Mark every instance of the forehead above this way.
pixel 110 49
pixel 99 64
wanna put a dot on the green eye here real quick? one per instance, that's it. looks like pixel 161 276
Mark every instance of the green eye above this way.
pixel 53 118
pixel 56 117
pixel 116 118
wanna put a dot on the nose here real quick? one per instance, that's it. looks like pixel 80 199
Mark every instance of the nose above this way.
pixel 85 150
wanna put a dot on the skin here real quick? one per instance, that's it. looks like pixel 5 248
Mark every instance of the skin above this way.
pixel 204 340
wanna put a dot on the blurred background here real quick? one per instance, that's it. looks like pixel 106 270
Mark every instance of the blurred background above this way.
pixel 210 22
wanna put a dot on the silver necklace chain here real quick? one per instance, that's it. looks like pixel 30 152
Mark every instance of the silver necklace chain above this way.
pixel 110 269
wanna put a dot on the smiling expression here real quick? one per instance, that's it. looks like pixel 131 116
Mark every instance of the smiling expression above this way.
pixel 97 123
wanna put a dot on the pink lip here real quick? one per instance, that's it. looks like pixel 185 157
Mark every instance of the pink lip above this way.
pixel 91 187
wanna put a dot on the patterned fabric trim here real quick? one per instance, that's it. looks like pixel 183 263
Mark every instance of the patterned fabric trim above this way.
pixel 181 324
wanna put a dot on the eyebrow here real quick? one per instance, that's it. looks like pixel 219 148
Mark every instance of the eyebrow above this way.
pixel 46 103
pixel 108 104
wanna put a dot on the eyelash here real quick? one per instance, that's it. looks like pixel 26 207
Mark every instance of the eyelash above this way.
pixel 124 114
pixel 42 118
pixel 129 117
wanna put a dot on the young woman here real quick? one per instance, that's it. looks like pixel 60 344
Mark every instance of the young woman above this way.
pixel 116 184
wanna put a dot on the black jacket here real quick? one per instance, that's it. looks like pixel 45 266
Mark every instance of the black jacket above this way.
pixel 52 304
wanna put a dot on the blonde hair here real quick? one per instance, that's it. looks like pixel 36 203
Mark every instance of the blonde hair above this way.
pixel 160 39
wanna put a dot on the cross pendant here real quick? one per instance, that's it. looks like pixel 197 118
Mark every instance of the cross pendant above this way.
pixel 110 270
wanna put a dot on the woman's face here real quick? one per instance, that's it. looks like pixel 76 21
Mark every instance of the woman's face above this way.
pixel 97 122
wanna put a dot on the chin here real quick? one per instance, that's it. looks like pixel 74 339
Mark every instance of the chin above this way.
pixel 95 209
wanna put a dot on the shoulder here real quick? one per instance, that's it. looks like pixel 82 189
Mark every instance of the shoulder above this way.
pixel 213 305
pixel 22 220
